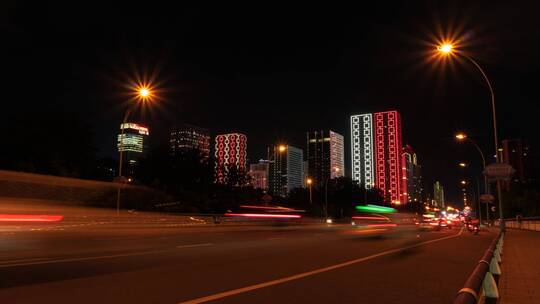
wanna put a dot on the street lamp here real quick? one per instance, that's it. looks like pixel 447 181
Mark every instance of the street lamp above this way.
pixel 142 93
pixel 309 182
pixel 446 49
pixel 463 137
pixel 464 165
pixel 336 169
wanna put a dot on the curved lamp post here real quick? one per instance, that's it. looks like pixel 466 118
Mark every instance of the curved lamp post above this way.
pixel 448 49
pixel 143 93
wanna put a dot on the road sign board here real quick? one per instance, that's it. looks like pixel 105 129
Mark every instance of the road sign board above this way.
pixel 487 198
pixel 499 171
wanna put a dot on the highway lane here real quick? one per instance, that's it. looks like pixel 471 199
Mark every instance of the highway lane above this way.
pixel 137 264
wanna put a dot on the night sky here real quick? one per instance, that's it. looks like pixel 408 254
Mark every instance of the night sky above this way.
pixel 275 71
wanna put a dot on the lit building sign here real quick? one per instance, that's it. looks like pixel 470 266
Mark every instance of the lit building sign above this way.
pixel 133 126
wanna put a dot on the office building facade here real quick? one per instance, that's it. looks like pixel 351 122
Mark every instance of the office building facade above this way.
pixel 325 156
pixel 259 174
pixel 515 152
pixel 286 170
pixel 186 137
pixel 438 195
pixel 412 176
pixel 132 141
pixel 407 177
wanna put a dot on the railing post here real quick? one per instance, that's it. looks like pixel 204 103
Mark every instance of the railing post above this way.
pixel 495 270
pixel 491 291
pixel 481 286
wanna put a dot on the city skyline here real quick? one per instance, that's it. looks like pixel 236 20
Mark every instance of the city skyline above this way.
pixel 336 69
pixel 187 152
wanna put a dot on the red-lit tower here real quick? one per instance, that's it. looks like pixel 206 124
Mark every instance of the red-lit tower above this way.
pixel 230 153
pixel 389 161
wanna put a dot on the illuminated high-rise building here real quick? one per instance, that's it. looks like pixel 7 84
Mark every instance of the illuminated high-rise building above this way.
pixel 286 171
pixel 363 159
pixel 388 166
pixel 438 195
pixel 325 156
pixel 376 151
pixel 412 177
pixel 515 152
pixel 417 185
pixel 259 174
pixel 230 154
pixel 132 141
pixel 186 137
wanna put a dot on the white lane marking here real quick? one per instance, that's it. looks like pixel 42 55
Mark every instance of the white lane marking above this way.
pixel 84 259
pixel 195 245
pixel 23 260
pixel 310 273
pixel 16 263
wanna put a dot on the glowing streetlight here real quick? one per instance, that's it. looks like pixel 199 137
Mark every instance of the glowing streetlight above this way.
pixel 445 48
pixel 309 182
pixel 282 148
pixel 461 136
pixel 463 182
pixel 462 165
pixel 144 92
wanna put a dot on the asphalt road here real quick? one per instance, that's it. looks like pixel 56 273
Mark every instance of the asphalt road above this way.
pixel 151 260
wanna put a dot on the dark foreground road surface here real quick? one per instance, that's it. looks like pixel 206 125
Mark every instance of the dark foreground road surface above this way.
pixel 153 262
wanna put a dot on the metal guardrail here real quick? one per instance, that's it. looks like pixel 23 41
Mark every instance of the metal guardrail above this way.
pixel 528 223
pixel 481 286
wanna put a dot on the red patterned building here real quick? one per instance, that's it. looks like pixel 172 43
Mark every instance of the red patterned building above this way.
pixel 230 152
pixel 389 161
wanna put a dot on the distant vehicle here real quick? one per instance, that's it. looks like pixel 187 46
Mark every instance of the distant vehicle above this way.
pixel 373 224
pixel 430 222
pixel 445 223
pixel 473 226
pixel 427 224
pixel 273 214
pixel 474 229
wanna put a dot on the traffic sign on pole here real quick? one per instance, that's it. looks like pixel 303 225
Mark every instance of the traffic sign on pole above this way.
pixel 487 198
pixel 499 171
